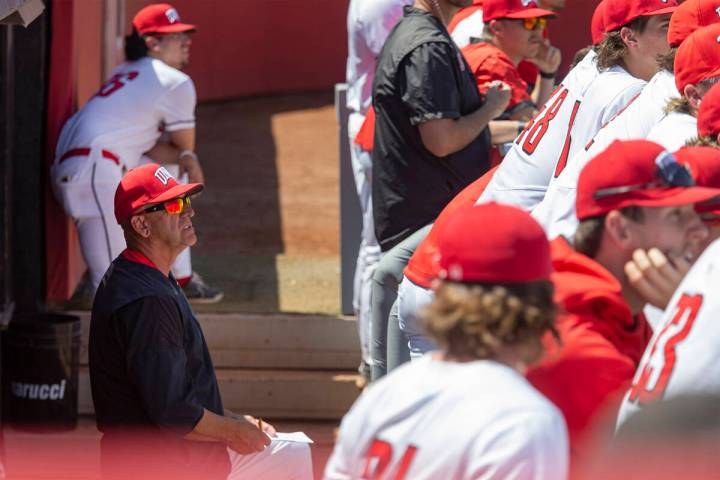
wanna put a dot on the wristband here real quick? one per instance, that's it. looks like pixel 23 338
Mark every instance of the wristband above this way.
pixel 189 153
pixel 548 76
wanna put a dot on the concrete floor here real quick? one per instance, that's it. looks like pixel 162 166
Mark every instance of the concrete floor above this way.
pixel 74 455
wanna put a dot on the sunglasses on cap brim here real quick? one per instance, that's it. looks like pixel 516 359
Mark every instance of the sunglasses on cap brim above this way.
pixel 669 173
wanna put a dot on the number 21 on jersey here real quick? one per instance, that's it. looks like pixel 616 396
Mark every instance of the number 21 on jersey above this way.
pixel 380 455
pixel 650 385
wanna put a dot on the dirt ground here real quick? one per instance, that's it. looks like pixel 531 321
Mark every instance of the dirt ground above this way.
pixel 272 175
pixel 268 219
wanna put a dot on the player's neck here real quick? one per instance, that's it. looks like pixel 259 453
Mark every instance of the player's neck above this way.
pixel 638 69
pixel 164 60
pixel 510 356
pixel 615 264
pixel 441 9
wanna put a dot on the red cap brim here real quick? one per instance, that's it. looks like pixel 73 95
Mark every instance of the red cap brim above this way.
pixel 531 13
pixel 661 11
pixel 174 28
pixel 656 197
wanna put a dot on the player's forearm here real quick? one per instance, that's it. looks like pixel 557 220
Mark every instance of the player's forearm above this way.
pixel 183 139
pixel 543 89
pixel 210 428
pixel 164 153
pixel 503 131
pixel 446 136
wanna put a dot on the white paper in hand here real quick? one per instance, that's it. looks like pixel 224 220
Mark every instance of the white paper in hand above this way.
pixel 297 437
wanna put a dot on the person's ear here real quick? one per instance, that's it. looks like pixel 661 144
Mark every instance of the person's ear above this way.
pixel 618 230
pixel 151 42
pixel 140 225
pixel 629 37
pixel 693 95
pixel 496 27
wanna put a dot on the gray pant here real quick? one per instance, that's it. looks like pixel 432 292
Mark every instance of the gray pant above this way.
pixel 388 346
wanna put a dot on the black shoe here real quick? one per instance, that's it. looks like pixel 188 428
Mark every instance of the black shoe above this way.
pixel 198 292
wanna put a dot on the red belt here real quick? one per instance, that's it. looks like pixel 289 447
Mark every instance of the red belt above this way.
pixel 84 152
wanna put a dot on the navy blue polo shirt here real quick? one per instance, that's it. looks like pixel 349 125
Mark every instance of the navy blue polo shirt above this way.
pixel 151 372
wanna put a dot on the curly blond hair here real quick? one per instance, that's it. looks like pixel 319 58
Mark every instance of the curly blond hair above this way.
pixel 702 142
pixel 475 320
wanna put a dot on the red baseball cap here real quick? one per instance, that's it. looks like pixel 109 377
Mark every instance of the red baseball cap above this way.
pixel 492 243
pixel 698 57
pixel 708 118
pixel 689 16
pixel 636 173
pixel 619 13
pixel 160 18
pixel 597 24
pixel 148 185
pixel 704 164
pixel 495 9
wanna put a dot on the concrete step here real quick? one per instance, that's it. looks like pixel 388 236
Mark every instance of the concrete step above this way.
pixel 275 341
pixel 285 394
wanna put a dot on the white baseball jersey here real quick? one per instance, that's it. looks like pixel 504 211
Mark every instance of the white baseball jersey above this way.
pixel 432 419
pixel 128 112
pixel 674 131
pixel 467 28
pixel 579 107
pixel 369 22
pixel 683 356
pixel 556 212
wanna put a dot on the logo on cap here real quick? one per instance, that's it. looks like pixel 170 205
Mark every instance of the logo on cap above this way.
pixel 717 10
pixel 172 15
pixel 526 3
pixel 163 175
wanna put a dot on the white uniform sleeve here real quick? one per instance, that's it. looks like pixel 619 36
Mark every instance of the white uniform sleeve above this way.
pixel 531 447
pixel 177 106
pixel 378 19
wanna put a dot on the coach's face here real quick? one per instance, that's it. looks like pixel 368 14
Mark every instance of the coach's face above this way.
pixel 173 232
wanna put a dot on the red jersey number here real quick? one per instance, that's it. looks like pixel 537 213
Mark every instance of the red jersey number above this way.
pixel 644 390
pixel 562 162
pixel 115 83
pixel 379 457
pixel 538 126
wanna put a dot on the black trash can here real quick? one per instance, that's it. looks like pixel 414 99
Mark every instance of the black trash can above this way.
pixel 41 361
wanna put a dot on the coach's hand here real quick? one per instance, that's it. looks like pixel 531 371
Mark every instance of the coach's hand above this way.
pixel 244 436
pixel 654 276
pixel 190 163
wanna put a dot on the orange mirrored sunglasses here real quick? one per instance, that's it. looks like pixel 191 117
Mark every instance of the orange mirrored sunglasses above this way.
pixel 176 206
pixel 534 22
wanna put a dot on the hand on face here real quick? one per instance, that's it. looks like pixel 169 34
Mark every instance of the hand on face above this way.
pixel 654 276
pixel 547 57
